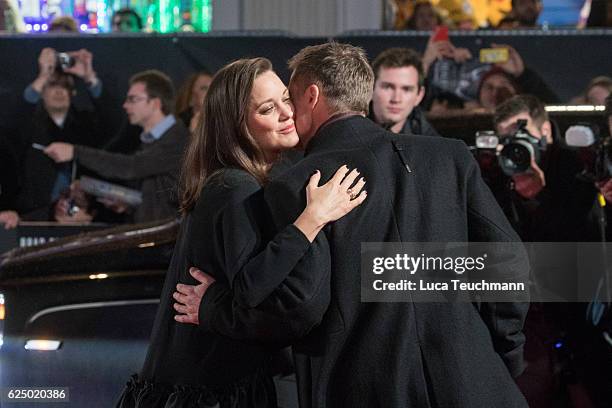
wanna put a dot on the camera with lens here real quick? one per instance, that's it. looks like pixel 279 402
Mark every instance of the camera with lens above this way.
pixel 64 60
pixel 595 151
pixel 514 152
pixel 519 149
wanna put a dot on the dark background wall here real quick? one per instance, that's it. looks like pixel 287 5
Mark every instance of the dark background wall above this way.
pixel 116 58
pixel 566 59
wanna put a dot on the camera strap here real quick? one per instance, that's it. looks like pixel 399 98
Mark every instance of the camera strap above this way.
pixel 400 151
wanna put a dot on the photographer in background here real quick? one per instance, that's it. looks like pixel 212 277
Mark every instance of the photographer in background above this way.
pixel 597 357
pixel 53 119
pixel 49 63
pixel 483 81
pixel 547 202
pixel 605 187
pixel 512 77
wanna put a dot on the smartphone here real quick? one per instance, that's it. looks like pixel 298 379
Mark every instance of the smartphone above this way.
pixel 494 55
pixel 440 33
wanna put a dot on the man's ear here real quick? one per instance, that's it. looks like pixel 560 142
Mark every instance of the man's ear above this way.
pixel 313 93
pixel 157 102
pixel 420 95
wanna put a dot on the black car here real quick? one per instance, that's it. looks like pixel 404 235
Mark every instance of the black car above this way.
pixel 78 312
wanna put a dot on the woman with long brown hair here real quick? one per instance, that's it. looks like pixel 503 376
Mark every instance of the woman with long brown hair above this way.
pixel 248 122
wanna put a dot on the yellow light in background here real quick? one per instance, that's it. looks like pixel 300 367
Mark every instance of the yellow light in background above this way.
pixel 480 12
pixel 99 276
pixel 43 345
pixel 146 245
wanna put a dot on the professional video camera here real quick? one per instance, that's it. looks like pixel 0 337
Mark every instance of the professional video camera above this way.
pixel 514 152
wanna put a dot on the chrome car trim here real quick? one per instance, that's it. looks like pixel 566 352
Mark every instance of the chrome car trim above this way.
pixel 90 305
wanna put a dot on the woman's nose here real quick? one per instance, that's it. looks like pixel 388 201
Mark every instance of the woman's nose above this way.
pixel 286 111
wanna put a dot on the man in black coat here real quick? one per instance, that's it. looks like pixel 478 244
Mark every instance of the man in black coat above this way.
pixel 153 168
pixel 420 189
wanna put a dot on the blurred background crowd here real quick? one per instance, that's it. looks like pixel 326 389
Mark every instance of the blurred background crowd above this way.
pixel 98 136
pixel 164 16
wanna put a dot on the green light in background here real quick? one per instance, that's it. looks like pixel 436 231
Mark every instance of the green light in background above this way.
pixel 165 16
pixel 162 16
pixel 201 15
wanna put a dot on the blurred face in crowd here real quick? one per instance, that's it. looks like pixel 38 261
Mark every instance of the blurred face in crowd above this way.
pixel 56 98
pixel 198 92
pixel 396 94
pixel 125 23
pixel 494 90
pixel 425 17
pixel 527 11
pixel 270 117
pixel 597 95
pixel 510 125
pixel 64 24
pixel 139 107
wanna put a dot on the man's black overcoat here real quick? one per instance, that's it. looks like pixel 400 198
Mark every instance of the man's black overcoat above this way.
pixel 389 354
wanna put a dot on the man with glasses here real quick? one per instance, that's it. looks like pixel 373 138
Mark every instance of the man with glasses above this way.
pixel 153 168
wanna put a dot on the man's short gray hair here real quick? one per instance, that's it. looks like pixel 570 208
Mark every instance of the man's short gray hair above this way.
pixel 341 71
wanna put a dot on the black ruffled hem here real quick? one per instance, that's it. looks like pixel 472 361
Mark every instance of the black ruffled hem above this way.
pixel 256 391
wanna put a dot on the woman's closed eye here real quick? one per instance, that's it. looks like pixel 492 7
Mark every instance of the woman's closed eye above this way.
pixel 266 109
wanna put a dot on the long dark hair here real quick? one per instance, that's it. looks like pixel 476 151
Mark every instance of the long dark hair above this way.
pixel 183 96
pixel 222 138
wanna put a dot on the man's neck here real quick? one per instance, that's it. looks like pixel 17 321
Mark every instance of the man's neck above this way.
pixel 321 121
pixel 153 121
pixel 318 119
